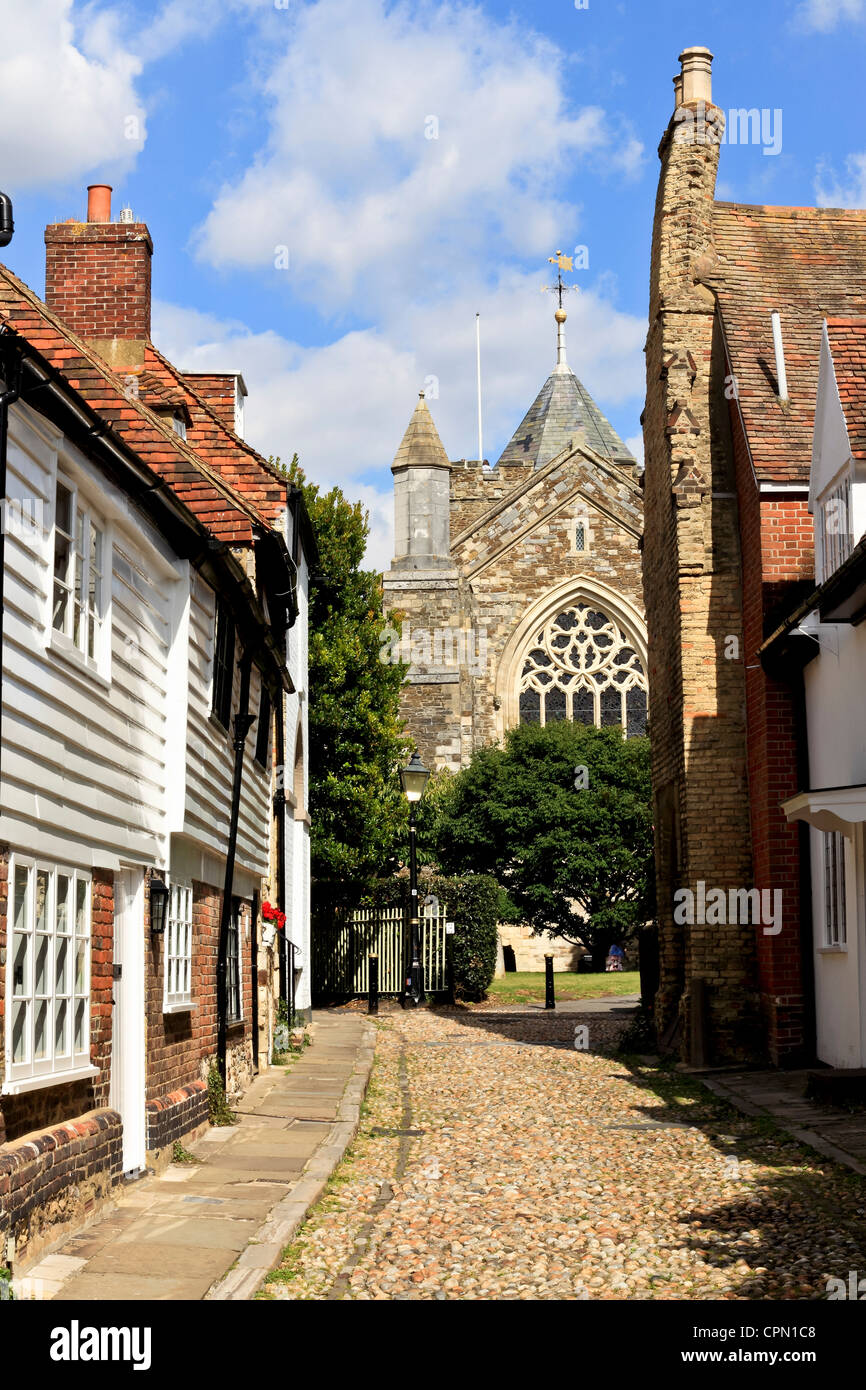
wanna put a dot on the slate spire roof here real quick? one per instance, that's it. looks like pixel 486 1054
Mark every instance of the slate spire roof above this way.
pixel 421 446
pixel 563 412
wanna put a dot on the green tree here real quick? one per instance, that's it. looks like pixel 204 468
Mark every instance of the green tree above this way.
pixel 560 816
pixel 357 744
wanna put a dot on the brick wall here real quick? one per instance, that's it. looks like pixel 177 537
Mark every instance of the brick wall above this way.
pixel 778 562
pixel 97 277
pixel 60 1145
pixel 182 1045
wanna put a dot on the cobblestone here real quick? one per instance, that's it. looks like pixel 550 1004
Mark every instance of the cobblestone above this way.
pixel 546 1172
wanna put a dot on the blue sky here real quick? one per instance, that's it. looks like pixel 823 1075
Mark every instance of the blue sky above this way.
pixel 334 189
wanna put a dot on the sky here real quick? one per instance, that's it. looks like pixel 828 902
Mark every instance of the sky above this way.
pixel 335 189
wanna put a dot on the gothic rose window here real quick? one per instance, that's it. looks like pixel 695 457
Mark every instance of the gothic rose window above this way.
pixel 581 666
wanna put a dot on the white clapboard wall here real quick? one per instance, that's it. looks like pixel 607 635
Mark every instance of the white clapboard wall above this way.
pixel 103 765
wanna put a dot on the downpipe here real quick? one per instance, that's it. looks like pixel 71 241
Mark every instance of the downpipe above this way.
pixel 242 723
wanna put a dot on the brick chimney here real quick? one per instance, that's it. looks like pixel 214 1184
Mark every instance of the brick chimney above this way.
pixel 97 279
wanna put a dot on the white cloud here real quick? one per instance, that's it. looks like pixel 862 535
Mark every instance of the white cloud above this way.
pixel 69 101
pixel 68 73
pixel 401 142
pixel 635 444
pixel 824 15
pixel 344 407
pixel 832 191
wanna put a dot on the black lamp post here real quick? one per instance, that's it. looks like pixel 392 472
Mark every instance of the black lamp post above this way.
pixel 158 905
pixel 414 779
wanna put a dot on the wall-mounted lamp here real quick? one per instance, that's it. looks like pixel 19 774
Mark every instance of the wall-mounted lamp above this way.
pixel 158 905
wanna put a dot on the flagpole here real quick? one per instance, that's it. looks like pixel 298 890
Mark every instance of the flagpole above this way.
pixel 478 376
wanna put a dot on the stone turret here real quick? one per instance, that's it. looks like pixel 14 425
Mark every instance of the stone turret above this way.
pixel 422 482
pixel 691 573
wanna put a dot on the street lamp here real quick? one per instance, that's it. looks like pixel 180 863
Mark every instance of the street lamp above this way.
pixel 414 779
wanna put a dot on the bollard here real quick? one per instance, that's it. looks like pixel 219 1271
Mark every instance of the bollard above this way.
pixel 549 998
pixel 373 988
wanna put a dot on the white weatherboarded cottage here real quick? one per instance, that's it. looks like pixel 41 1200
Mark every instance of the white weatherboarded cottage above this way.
pixel 826 637
pixel 149 605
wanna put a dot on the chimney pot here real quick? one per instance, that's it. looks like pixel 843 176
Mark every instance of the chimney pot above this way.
pixel 99 202
pixel 678 89
pixel 697 75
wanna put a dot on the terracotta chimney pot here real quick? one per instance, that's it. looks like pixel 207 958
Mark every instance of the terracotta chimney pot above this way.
pixel 99 202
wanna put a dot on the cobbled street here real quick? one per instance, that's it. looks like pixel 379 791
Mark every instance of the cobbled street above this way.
pixel 497 1161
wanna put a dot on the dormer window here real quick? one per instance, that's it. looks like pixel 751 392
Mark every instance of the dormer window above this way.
pixel 834 527
pixel 178 424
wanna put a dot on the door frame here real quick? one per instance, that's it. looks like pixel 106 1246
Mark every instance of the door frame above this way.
pixel 128 1032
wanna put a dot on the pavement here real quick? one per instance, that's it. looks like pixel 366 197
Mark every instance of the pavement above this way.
pixel 213 1228
pixel 836 1133
pixel 511 1155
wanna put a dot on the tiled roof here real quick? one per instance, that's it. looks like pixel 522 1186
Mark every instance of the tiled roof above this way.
pixel 848 346
pixel 562 412
pixel 228 514
pixel 247 471
pixel 808 263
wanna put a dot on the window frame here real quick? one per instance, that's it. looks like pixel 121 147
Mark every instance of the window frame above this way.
pixel 234 967
pixel 175 1000
pixel 835 914
pixel 53 1067
pixel 223 667
pixel 77 581
pixel 835 545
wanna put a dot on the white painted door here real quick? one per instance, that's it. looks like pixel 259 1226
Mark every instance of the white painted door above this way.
pixel 128 1032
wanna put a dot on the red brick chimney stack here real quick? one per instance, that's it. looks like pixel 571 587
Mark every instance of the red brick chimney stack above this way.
pixel 97 279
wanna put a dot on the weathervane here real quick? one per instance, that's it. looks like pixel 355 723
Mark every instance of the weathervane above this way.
pixel 562 263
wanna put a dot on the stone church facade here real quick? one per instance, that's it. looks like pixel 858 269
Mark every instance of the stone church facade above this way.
pixel 515 591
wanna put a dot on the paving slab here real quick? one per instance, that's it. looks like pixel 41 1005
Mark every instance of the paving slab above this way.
pixel 207 1229
pixel 834 1133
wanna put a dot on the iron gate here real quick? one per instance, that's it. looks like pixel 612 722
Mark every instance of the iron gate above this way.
pixel 343 945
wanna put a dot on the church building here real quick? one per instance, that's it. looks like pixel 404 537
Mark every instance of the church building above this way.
pixel 515 591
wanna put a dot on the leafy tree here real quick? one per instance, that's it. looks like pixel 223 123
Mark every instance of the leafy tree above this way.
pixel 357 808
pixel 572 849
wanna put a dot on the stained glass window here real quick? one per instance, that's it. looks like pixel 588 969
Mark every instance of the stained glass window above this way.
pixel 582 666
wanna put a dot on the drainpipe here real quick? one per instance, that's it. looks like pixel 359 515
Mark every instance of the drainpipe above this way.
pixel 243 721
pixel 8 397
pixel 280 813
pixel 254 957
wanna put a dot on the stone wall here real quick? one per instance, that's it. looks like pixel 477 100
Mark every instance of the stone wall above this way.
pixel 529 950
pixel 693 598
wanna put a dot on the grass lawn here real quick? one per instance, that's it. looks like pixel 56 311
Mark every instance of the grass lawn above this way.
pixel 527 986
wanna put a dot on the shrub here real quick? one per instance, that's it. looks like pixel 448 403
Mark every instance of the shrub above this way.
pixel 475 903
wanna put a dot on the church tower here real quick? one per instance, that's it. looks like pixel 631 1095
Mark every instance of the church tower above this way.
pixel 515 590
